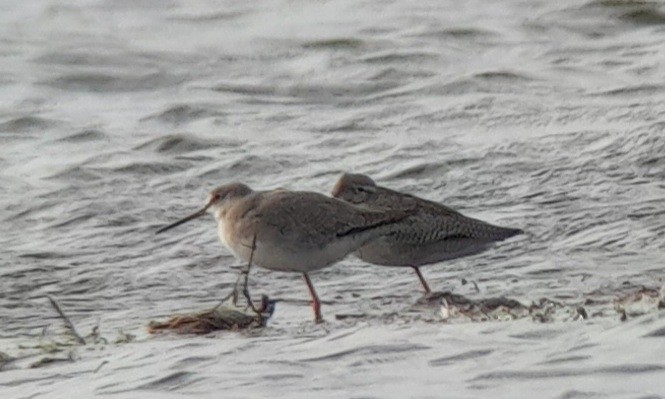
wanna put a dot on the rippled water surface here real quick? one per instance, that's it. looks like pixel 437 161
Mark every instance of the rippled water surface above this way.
pixel 119 116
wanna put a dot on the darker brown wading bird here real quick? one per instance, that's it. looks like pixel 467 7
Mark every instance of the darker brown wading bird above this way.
pixel 432 233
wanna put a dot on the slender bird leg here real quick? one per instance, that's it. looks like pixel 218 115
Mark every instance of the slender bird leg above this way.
pixel 422 279
pixel 316 304
pixel 245 289
pixel 244 273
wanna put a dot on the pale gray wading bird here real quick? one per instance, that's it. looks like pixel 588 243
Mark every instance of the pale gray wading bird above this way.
pixel 294 231
pixel 432 233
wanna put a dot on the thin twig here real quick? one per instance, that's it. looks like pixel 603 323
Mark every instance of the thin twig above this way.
pixel 65 319
pixel 100 366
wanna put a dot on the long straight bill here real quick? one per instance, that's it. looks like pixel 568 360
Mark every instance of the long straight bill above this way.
pixel 184 220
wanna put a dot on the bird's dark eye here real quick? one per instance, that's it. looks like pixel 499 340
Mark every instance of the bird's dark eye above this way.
pixel 361 190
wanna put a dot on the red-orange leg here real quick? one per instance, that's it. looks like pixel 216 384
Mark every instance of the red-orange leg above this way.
pixel 316 304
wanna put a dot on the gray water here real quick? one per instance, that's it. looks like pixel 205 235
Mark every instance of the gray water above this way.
pixel 117 117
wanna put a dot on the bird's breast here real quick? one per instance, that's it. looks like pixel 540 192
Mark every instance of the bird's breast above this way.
pixel 232 239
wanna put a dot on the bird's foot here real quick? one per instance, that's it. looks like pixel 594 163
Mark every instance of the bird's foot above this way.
pixel 436 296
pixel 250 305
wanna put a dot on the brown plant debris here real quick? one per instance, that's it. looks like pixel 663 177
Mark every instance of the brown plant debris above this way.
pixel 222 317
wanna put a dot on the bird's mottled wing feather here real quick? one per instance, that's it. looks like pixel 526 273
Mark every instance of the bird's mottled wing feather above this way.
pixel 315 215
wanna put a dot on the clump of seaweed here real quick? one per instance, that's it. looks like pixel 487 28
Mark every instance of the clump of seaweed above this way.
pixel 484 309
pixel 640 302
pixel 634 302
pixel 225 316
